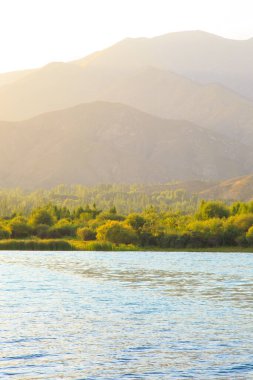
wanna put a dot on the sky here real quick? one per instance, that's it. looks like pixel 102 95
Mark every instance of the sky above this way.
pixel 36 32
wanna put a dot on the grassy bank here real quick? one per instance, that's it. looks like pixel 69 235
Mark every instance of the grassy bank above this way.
pixel 105 246
pixel 77 245
pixel 62 245
pixel 35 245
pixel 101 246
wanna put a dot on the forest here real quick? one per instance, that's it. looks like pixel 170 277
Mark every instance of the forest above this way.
pixel 120 218
pixel 126 198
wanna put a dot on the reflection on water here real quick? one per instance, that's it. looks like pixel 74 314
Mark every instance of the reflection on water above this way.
pixel 126 315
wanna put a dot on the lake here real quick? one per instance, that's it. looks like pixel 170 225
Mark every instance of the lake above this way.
pixel 126 315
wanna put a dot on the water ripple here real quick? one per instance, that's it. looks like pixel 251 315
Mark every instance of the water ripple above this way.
pixel 115 316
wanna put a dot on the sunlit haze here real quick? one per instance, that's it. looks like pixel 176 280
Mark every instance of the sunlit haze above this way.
pixel 34 33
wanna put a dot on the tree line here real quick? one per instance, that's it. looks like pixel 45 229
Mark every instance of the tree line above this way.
pixel 213 224
pixel 126 198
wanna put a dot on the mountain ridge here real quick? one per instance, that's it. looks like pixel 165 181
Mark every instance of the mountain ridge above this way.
pixel 111 143
pixel 146 109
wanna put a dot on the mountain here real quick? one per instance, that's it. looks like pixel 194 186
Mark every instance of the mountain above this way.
pixel 240 188
pixel 200 56
pixel 113 143
pixel 174 107
pixel 161 93
pixel 55 86
pixel 166 94
pixel 158 75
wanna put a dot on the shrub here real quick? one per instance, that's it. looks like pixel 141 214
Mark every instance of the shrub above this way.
pixel 242 222
pixel 62 228
pixel 4 233
pixel 212 209
pixel 42 216
pixel 249 236
pixel 99 246
pixel 42 231
pixel 206 233
pixel 135 221
pixel 19 228
pixel 116 232
pixel 146 238
pixel 173 240
pixel 86 234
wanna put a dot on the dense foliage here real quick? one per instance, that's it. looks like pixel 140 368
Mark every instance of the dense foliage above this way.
pixel 213 224
pixel 126 198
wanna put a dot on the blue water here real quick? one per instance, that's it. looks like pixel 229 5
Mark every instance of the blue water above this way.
pixel 129 315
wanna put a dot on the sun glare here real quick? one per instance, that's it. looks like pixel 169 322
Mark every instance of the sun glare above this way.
pixel 34 33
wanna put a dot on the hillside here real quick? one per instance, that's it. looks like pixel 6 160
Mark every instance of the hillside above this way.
pixel 161 93
pixel 142 73
pixel 198 55
pixel 240 188
pixel 166 94
pixel 55 86
pixel 112 143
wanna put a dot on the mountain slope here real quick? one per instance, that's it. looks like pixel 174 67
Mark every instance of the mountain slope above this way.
pixel 240 188
pixel 198 55
pixel 169 95
pixel 138 72
pixel 149 89
pixel 106 143
pixel 55 86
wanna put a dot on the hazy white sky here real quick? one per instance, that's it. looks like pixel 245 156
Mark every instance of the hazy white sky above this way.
pixel 35 32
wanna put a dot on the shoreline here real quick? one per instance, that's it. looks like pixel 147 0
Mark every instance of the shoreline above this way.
pixel 77 245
